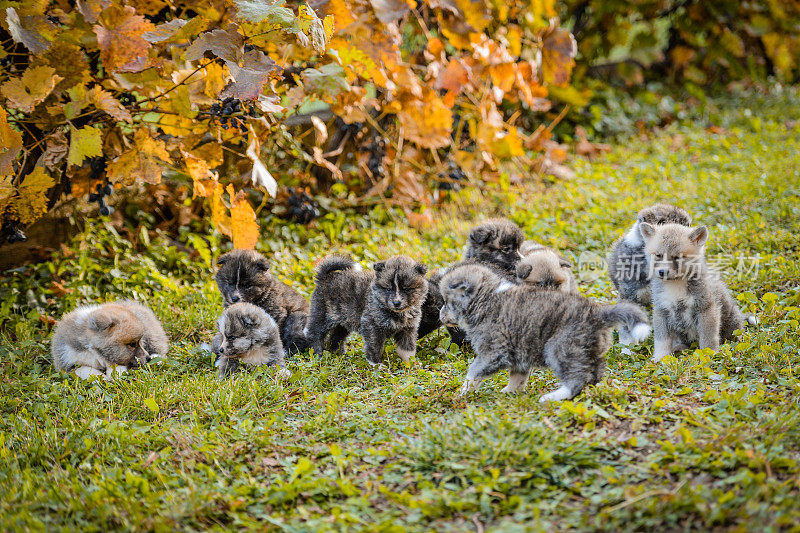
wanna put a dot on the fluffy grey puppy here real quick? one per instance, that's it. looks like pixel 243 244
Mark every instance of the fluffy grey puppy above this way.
pixel 690 302
pixel 496 242
pixel 627 262
pixel 247 335
pixel 107 338
pixel 517 328
pixel 244 276
pixel 378 305
pixel 542 268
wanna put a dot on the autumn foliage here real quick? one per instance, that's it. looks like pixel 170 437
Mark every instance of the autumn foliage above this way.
pixel 368 99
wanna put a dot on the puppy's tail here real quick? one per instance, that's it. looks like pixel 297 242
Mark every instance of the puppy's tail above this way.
pixel 335 263
pixel 630 316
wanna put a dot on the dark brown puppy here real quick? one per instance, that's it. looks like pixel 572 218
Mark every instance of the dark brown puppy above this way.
pixel 244 276
pixel 378 305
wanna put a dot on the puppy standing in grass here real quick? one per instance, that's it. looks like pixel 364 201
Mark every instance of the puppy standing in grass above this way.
pixel 627 263
pixel 244 276
pixel 247 334
pixel 690 302
pixel 517 328
pixel 378 305
pixel 107 338
pixel 495 244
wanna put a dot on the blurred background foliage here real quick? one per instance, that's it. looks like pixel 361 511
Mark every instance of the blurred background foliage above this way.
pixel 169 114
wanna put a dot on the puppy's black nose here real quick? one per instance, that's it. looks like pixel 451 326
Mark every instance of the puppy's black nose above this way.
pixel 221 350
pixel 662 273
pixel 235 298
pixel 396 303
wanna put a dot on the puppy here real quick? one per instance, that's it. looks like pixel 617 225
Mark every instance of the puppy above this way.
pixel 378 305
pixel 517 328
pixel 496 242
pixel 244 276
pixel 542 268
pixel 107 338
pixel 247 334
pixel 690 303
pixel 627 262
pixel 430 307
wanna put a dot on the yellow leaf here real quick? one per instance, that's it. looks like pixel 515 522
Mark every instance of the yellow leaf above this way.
pixel 31 202
pixel 10 144
pixel 244 226
pixel 6 192
pixel 105 101
pixel 219 216
pixel 142 163
pixel 84 142
pixel 32 88
pixel 341 13
pixel 427 121
pixel 558 56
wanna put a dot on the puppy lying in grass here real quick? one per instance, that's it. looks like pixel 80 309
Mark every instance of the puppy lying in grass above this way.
pixel 378 305
pixel 244 276
pixel 103 339
pixel 690 302
pixel 247 335
pixel 518 328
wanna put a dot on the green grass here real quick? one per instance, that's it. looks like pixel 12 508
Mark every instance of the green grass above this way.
pixel 703 440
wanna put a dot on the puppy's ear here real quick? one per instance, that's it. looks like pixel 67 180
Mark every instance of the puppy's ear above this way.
pixel 262 264
pixel 101 322
pixel 249 320
pixel 479 235
pixel 462 286
pixel 699 236
pixel 647 230
pixel 524 270
pixel 421 269
pixel 379 266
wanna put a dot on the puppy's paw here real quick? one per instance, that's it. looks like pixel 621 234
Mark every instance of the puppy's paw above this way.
pixel 657 357
pixel 113 371
pixel 750 320
pixel 557 395
pixel 468 385
pixel 85 372
pixel 508 389
pixel 406 355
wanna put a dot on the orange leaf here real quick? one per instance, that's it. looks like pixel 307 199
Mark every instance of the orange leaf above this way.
pixel 558 56
pixel 427 122
pixel 119 36
pixel 141 163
pixel 10 144
pixel 244 226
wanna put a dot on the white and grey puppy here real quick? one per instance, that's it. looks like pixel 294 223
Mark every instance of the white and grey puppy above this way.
pixel 690 302
pixel 247 335
pixel 517 328
pixel 107 338
pixel 628 265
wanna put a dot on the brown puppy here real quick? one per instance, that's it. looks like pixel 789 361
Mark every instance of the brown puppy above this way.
pixel 102 339
pixel 542 268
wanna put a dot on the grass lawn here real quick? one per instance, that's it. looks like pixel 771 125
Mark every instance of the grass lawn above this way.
pixel 703 440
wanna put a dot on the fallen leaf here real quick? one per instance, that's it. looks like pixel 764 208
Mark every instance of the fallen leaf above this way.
pixel 260 176
pixel 59 290
pixel 151 458
pixel 33 87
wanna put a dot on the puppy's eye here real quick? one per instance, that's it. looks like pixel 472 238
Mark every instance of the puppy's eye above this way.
pixel 658 257
pixel 508 249
pixel 132 344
